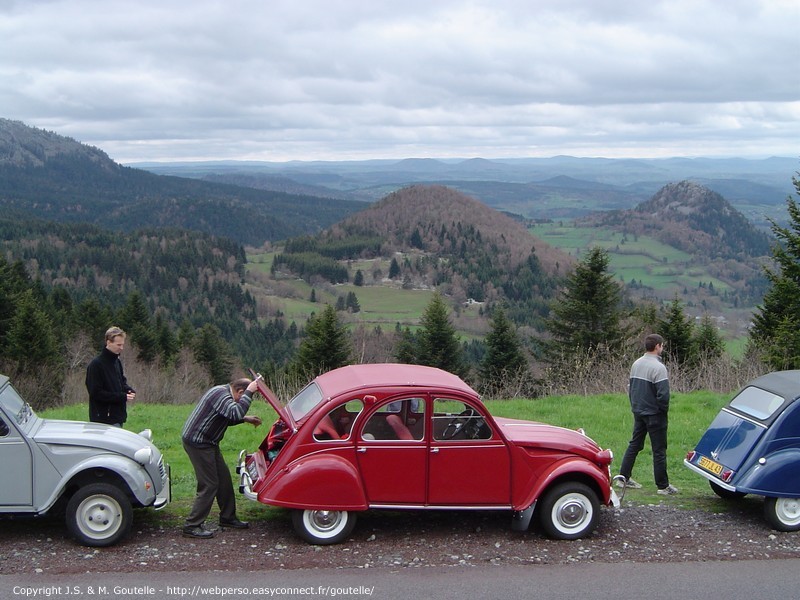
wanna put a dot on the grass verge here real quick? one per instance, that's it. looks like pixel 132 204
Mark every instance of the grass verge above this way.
pixel 605 418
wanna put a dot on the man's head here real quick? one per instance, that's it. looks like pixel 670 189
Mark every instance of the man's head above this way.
pixel 115 340
pixel 654 343
pixel 238 386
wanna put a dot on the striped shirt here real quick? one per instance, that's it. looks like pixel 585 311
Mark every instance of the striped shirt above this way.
pixel 215 411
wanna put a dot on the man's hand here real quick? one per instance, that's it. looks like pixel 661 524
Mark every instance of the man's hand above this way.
pixel 254 420
pixel 253 386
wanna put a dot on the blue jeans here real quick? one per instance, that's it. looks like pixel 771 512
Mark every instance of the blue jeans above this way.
pixel 656 427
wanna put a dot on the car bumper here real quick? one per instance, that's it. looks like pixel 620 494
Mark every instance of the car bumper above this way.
pixel 709 476
pixel 245 481
pixel 165 497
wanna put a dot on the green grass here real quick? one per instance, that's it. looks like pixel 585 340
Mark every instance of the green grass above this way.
pixel 642 259
pixel 606 419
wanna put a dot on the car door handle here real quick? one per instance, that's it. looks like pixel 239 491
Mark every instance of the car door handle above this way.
pixel 434 451
pixel 361 449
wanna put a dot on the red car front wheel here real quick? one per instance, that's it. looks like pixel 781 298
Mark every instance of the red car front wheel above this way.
pixel 569 511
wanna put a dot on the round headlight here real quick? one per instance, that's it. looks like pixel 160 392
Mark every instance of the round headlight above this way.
pixel 143 456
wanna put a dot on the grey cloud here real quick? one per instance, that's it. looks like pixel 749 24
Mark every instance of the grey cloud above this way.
pixel 320 79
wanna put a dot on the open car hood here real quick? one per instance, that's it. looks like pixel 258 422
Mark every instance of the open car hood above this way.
pixel 270 397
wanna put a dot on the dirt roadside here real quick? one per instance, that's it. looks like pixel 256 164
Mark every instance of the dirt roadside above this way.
pixel 634 533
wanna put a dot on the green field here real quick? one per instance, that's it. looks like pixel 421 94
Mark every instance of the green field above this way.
pixel 383 305
pixel 643 260
pixel 606 419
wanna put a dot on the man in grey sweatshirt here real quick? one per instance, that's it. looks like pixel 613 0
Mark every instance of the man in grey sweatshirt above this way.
pixel 648 391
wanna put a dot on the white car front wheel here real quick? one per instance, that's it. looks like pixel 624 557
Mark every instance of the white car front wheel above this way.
pixel 99 514
pixel 568 511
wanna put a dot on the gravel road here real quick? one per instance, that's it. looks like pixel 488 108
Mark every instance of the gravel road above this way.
pixel 658 532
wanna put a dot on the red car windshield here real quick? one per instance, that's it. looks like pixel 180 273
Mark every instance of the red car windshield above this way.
pixel 303 402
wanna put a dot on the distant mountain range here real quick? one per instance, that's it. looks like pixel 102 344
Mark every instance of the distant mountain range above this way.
pixel 446 217
pixel 47 176
pixel 537 188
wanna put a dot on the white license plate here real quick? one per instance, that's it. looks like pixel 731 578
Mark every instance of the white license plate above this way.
pixel 252 470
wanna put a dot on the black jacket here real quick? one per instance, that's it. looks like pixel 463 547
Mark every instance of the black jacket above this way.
pixel 108 389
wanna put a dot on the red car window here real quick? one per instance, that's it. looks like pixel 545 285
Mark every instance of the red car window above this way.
pixel 397 420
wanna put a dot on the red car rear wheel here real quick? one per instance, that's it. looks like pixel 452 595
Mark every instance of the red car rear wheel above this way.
pixel 323 527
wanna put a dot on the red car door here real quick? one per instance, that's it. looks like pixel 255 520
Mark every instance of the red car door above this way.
pixel 468 463
pixel 392 453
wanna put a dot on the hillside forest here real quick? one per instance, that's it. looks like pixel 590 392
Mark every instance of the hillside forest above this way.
pixel 426 274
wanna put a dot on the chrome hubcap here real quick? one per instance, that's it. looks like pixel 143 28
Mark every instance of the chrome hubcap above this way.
pixel 572 512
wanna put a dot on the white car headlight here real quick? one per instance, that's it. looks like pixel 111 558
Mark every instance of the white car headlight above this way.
pixel 147 434
pixel 143 456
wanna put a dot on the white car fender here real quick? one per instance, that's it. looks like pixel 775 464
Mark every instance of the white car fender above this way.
pixel 132 473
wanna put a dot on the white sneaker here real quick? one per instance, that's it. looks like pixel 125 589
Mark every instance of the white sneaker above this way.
pixel 670 490
pixel 620 482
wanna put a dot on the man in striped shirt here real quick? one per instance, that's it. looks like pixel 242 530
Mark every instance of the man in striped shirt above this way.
pixel 219 408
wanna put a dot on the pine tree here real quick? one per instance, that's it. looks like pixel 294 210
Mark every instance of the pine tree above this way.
pixel 405 350
pixel 677 330
pixel 214 353
pixel 588 314
pixel 167 341
pixel 135 319
pixel 394 269
pixel 438 342
pixel 504 357
pixel 776 325
pixel 14 281
pixel 358 278
pixel 326 345
pixel 31 342
pixel 352 303
pixel 707 342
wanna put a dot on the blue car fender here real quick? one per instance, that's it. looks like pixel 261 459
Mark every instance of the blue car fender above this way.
pixel 772 475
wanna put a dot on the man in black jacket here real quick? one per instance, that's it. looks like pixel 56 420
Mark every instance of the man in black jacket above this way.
pixel 109 392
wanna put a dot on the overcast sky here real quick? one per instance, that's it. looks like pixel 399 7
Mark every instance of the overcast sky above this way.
pixel 164 80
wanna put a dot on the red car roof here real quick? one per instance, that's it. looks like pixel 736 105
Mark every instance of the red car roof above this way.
pixel 354 377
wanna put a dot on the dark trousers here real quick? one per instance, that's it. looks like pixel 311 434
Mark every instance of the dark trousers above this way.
pixel 213 481
pixel 656 427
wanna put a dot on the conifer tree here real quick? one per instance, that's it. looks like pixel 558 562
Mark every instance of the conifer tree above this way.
pixel 776 324
pixel 588 314
pixel 438 342
pixel 405 350
pixel 394 269
pixel 504 357
pixel 326 345
pixel 707 342
pixel 31 342
pixel 214 353
pixel 352 302
pixel 677 329
pixel 13 283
